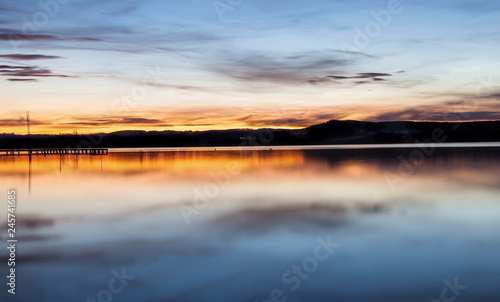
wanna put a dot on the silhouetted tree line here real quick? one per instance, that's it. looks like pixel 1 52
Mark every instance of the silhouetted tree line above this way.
pixel 332 132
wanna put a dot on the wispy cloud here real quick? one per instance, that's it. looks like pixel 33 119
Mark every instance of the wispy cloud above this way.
pixel 28 57
pixel 294 120
pixel 13 10
pixel 22 80
pixel 436 114
pixel 21 121
pixel 13 35
pixel 336 78
pixel 28 71
pixel 277 68
pixel 116 121
pixel 18 36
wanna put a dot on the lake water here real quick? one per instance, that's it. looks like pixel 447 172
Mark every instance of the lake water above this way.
pixel 233 224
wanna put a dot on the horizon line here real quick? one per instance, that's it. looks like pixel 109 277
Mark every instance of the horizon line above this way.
pixel 246 128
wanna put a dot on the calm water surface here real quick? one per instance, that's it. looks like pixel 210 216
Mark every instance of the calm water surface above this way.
pixel 244 225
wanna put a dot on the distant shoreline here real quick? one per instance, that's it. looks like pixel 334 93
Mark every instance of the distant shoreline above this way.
pixel 311 147
pixel 332 133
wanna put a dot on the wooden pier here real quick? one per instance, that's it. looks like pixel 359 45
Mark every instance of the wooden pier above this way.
pixel 53 151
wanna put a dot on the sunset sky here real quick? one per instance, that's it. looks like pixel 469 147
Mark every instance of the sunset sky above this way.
pixel 102 66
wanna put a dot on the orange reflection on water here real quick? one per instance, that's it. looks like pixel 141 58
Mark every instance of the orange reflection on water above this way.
pixel 285 175
pixel 177 162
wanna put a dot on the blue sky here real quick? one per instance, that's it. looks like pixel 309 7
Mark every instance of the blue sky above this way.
pixel 203 64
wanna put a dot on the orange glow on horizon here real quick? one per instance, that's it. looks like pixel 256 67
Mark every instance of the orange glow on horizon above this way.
pixel 55 131
pixel 197 120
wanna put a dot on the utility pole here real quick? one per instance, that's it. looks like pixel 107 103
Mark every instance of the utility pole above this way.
pixel 29 150
pixel 28 121
pixel 29 132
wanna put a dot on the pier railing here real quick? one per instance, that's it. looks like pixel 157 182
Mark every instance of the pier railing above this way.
pixel 53 151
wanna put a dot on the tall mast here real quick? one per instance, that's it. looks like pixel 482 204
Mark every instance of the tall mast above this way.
pixel 29 150
pixel 29 132
pixel 28 122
